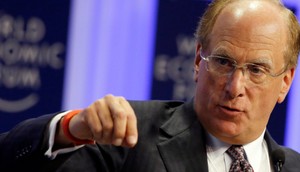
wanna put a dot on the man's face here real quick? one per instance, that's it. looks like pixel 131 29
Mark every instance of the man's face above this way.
pixel 232 107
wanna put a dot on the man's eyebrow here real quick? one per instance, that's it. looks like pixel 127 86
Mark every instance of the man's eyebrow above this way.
pixel 266 62
pixel 220 51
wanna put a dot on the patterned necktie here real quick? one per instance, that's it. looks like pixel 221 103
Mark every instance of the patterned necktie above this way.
pixel 239 162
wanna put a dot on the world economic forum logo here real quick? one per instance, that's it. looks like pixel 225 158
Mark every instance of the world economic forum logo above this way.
pixel 23 54
pixel 178 69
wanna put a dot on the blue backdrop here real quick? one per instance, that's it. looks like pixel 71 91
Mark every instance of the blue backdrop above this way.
pixel 33 37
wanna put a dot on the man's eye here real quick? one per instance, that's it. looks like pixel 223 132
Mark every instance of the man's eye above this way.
pixel 256 69
pixel 222 61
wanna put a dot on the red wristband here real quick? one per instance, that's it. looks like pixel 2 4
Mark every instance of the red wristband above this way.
pixel 65 126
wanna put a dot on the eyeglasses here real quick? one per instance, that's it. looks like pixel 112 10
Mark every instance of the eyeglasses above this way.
pixel 223 66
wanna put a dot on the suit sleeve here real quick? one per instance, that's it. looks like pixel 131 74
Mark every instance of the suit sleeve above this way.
pixel 25 144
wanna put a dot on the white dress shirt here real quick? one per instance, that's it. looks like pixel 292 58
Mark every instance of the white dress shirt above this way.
pixel 256 151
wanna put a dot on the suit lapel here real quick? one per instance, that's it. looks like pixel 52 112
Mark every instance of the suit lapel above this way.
pixel 182 143
pixel 272 146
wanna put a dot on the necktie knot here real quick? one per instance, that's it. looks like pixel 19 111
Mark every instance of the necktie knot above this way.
pixel 239 161
pixel 236 152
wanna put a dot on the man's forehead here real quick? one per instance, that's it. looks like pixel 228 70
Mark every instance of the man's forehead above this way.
pixel 239 9
pixel 242 8
pixel 258 16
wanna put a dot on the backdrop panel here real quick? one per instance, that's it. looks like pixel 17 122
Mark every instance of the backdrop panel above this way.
pixel 32 55
pixel 175 48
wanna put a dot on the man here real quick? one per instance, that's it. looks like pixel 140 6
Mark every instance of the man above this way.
pixel 246 55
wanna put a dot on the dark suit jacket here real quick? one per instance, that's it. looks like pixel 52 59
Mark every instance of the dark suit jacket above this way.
pixel 170 139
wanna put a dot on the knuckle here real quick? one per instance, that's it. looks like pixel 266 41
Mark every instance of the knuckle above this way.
pixel 107 126
pixel 131 117
pixel 121 98
pixel 97 130
pixel 108 96
pixel 120 115
pixel 98 103
pixel 119 134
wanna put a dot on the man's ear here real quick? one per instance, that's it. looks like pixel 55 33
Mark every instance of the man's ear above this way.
pixel 286 84
pixel 197 61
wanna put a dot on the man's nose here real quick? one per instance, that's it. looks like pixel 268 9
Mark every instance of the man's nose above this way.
pixel 235 86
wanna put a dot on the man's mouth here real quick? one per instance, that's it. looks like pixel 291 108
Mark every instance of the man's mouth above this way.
pixel 231 109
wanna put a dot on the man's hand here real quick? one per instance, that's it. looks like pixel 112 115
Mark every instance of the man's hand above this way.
pixel 109 120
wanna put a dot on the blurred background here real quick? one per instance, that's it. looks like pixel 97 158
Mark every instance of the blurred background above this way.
pixel 63 54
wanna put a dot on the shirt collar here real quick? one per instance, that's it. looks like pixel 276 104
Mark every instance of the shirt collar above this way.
pixel 254 150
pixel 217 147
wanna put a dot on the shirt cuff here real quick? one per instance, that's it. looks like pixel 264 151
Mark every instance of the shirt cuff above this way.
pixel 52 130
